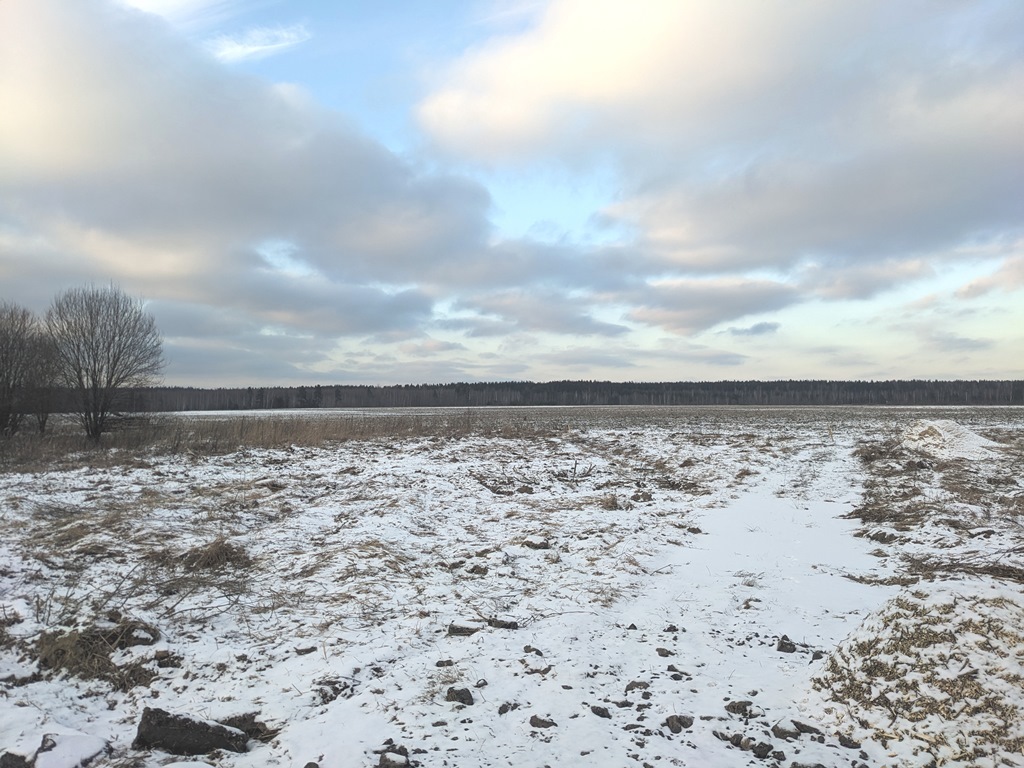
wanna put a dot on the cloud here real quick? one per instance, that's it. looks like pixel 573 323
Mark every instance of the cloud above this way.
pixel 945 341
pixel 862 281
pixel 188 13
pixel 1009 277
pixel 757 329
pixel 258 42
pixel 767 135
pixel 150 163
pixel 690 306
pixel 540 311
pixel 431 348
pixel 758 156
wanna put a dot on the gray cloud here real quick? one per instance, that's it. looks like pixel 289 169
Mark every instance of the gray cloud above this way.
pixel 815 153
pixel 688 306
pixel 952 342
pixel 541 311
pixel 757 329
pixel 862 281
pixel 199 163
pixel 1008 277
pixel 858 146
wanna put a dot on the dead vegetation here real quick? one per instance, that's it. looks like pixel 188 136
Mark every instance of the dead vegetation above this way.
pixel 86 652
pixel 204 435
pixel 219 553
pixel 936 568
pixel 939 654
pixel 928 660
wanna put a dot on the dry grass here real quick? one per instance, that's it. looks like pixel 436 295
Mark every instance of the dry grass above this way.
pixel 86 653
pixel 219 553
pixel 933 568
pixel 195 436
pixel 934 672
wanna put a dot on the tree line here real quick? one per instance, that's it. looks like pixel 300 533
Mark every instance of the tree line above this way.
pixel 85 355
pixel 98 354
pixel 526 393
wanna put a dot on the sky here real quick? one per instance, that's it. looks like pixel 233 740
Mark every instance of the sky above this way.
pixel 373 192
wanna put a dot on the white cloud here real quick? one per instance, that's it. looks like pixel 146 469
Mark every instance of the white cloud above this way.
pixel 760 135
pixel 189 14
pixel 1009 277
pixel 257 42
pixel 771 158
pixel 597 70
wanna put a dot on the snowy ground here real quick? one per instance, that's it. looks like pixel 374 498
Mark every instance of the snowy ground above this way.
pixel 609 587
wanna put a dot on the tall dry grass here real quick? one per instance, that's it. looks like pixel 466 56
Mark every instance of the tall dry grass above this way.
pixel 207 435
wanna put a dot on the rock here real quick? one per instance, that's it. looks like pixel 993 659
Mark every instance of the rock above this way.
pixel 846 741
pixel 167 660
pixel 507 707
pixel 678 723
pixel 633 685
pixel 739 708
pixel 540 722
pixel 248 724
pixel 444 663
pixel 779 731
pixel 502 624
pixel 601 712
pixel 463 628
pixel 311 764
pixel 671 628
pixel 185 735
pixel 14 760
pixel 804 727
pixel 664 652
pixel 786 645
pixel 479 570
pixel 536 542
pixel 393 760
pixel 461 695
pixel 761 750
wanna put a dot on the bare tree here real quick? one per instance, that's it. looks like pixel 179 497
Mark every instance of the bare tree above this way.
pixel 41 392
pixel 19 333
pixel 104 341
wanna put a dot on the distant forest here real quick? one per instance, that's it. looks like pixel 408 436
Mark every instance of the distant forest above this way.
pixel 526 393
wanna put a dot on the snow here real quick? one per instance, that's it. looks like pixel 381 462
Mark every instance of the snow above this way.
pixel 650 561
pixel 945 439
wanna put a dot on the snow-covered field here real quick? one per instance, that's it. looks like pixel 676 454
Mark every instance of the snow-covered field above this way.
pixel 592 587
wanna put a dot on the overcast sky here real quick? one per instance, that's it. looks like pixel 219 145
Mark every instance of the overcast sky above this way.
pixel 404 192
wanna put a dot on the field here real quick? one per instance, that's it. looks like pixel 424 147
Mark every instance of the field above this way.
pixel 523 587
